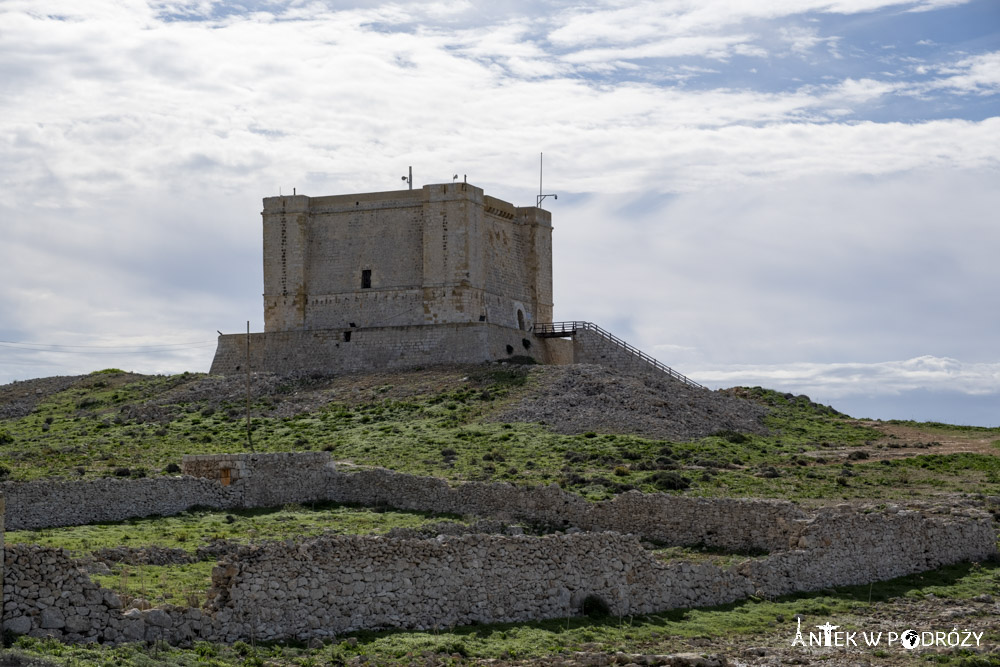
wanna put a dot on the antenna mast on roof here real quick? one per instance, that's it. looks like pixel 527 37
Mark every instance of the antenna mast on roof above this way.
pixel 541 197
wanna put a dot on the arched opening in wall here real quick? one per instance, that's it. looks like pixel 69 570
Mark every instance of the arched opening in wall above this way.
pixel 520 319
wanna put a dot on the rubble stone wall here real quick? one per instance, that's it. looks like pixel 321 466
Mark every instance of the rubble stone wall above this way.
pixel 340 583
pixel 743 525
pixel 725 523
pixel 268 480
pixel 47 503
pixel 842 547
pixel 48 594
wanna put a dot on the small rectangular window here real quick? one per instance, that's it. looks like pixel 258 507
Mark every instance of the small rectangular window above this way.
pixel 366 279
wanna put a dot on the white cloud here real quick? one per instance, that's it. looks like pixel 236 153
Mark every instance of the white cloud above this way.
pixel 886 378
pixel 853 92
pixel 705 26
pixel 223 113
pixel 979 74
pixel 817 270
pixel 801 39
pixel 723 224
pixel 717 47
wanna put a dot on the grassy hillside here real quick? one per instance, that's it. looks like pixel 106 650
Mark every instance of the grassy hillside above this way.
pixel 443 423
pixel 457 424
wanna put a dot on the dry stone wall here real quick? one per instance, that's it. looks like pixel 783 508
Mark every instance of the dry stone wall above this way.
pixel 331 585
pixel 49 594
pixel 275 479
pixel 726 523
pixel 335 584
pixel 840 547
pixel 312 588
pixel 47 503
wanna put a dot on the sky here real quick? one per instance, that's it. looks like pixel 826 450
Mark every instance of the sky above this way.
pixel 798 194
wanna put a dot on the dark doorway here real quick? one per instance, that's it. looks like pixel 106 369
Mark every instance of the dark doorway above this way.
pixel 366 279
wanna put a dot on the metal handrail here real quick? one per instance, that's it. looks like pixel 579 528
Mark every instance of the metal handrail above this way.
pixel 570 328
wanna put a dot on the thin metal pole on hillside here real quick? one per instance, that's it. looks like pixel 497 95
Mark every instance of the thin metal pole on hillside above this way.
pixel 249 439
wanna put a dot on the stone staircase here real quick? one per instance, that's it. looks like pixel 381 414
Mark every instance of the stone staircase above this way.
pixel 592 344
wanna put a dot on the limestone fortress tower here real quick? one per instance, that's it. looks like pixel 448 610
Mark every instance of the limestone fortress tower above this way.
pixel 443 274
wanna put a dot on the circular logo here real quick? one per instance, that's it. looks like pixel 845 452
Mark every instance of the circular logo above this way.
pixel 910 639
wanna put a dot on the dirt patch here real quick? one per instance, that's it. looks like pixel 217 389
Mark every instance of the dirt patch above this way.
pixel 899 441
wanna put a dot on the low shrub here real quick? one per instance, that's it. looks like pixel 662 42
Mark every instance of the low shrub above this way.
pixel 669 481
pixel 732 436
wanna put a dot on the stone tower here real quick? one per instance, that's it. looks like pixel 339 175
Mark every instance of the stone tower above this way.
pixel 444 254
pixel 443 274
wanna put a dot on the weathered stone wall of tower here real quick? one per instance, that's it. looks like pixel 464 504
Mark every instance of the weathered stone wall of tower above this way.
pixel 286 241
pixel 358 350
pixel 444 274
pixel 443 254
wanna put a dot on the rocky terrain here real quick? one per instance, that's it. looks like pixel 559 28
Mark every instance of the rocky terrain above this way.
pixel 582 397
pixel 568 399
pixel 18 399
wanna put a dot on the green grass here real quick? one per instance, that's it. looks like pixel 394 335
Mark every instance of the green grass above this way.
pixel 180 584
pixel 192 529
pixel 186 584
pixel 100 426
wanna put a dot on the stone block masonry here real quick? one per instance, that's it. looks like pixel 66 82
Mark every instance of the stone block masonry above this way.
pixel 441 275
pixel 361 349
pixel 444 254
pixel 402 279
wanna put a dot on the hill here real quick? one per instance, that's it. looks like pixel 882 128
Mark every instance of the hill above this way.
pixel 587 428
pixel 590 430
